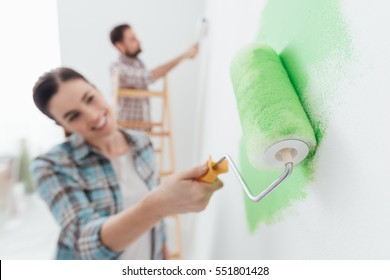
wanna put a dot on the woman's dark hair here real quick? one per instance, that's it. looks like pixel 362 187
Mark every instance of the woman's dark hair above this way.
pixel 48 84
pixel 116 34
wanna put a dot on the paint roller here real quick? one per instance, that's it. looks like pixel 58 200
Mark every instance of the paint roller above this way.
pixel 201 28
pixel 277 132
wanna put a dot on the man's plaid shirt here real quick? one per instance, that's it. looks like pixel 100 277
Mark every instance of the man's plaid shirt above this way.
pixel 81 189
pixel 134 75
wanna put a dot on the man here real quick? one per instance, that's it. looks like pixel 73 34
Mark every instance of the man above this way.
pixel 133 74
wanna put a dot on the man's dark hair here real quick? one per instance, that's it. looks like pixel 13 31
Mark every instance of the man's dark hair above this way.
pixel 48 84
pixel 116 34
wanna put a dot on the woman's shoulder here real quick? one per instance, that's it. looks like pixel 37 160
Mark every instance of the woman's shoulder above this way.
pixel 59 154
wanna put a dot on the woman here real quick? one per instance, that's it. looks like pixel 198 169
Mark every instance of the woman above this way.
pixel 101 183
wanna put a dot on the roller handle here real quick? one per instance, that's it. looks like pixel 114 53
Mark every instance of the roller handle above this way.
pixel 214 170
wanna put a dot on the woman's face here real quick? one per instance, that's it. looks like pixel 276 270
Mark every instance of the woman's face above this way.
pixel 80 107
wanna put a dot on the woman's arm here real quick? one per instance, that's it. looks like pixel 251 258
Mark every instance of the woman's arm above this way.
pixel 92 236
pixel 79 222
pixel 179 193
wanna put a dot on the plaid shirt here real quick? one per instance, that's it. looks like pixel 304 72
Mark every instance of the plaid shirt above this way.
pixel 81 189
pixel 132 74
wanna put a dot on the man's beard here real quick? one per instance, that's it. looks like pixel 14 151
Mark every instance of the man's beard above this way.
pixel 133 54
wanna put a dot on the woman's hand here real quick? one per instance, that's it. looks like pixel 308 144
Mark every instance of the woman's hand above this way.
pixel 182 193
pixel 178 193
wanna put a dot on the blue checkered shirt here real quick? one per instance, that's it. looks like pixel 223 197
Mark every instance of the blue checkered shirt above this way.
pixel 81 189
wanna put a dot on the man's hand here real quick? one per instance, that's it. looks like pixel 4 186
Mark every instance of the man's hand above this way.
pixel 192 52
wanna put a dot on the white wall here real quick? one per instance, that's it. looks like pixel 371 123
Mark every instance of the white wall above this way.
pixel 345 215
pixel 29 46
pixel 165 29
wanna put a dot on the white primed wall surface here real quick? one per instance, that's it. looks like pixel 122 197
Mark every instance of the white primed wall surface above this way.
pixel 345 215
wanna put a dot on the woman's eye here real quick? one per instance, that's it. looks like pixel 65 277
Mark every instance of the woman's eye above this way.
pixel 74 117
pixel 90 99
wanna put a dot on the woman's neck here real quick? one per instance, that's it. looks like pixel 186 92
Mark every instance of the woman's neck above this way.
pixel 112 145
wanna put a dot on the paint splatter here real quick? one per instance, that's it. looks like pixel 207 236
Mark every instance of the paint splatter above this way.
pixel 314 44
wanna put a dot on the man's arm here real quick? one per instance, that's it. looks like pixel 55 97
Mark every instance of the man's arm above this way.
pixel 160 71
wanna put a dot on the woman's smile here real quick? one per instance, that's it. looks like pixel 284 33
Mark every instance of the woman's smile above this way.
pixel 101 124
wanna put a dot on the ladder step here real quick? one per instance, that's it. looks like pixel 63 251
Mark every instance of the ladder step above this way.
pixel 159 133
pixel 139 124
pixel 157 129
pixel 166 173
pixel 137 93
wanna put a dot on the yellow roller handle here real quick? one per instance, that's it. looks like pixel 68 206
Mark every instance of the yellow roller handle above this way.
pixel 214 171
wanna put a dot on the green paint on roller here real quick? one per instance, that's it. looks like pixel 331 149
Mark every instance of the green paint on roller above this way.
pixel 270 111
pixel 306 34
pixel 268 105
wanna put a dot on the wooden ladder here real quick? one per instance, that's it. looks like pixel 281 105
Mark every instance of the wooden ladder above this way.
pixel 161 131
